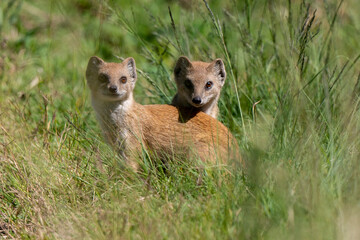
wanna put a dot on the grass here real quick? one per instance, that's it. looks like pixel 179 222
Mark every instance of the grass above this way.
pixel 291 98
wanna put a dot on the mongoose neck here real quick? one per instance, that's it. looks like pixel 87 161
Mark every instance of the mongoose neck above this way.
pixel 112 116
pixel 109 107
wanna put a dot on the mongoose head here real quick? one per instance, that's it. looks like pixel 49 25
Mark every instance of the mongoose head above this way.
pixel 111 81
pixel 199 83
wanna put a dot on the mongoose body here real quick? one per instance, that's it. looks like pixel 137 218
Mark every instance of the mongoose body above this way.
pixel 164 130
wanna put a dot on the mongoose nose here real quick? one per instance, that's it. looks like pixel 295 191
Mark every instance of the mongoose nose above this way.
pixel 196 100
pixel 113 89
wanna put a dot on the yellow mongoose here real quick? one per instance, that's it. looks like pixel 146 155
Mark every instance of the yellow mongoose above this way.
pixel 199 84
pixel 128 126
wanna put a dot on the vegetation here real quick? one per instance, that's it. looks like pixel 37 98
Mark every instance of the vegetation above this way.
pixel 291 98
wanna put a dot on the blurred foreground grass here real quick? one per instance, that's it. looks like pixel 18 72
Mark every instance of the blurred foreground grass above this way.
pixel 291 99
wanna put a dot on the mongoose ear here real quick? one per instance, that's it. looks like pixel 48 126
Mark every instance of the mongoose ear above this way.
pixel 218 68
pixel 182 64
pixel 131 66
pixel 92 67
pixel 95 61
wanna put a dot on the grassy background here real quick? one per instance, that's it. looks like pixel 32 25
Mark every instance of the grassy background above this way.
pixel 291 98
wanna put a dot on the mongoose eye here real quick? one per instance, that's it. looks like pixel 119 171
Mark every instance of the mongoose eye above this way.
pixel 209 85
pixel 103 77
pixel 188 83
pixel 123 79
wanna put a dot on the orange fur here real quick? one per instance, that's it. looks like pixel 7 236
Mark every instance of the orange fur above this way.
pixel 164 130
